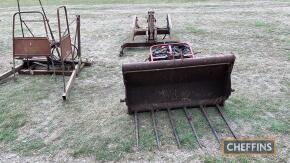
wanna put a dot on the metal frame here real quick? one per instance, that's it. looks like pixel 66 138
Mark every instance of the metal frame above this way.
pixel 151 33
pixel 33 61
pixel 66 50
pixel 24 47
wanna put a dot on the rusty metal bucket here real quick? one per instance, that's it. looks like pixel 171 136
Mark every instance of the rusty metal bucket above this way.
pixel 178 83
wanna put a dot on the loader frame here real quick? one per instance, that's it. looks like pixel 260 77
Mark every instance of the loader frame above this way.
pixel 151 33
pixel 38 53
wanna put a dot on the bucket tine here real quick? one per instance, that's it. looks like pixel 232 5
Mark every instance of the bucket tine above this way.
pixel 225 120
pixel 192 126
pixel 155 129
pixel 173 128
pixel 210 125
pixel 136 121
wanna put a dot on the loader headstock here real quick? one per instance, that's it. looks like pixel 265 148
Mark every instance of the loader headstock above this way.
pixel 151 33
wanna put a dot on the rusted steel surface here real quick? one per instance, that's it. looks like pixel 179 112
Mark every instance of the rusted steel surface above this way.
pixel 64 35
pixel 152 30
pixel 44 61
pixel 178 83
pixel 37 53
pixel 27 47
pixel 133 44
pixel 65 47
pixel 31 47
pixel 43 72
pixel 151 33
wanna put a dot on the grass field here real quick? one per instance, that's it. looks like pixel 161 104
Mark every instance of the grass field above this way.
pixel 37 126
pixel 9 3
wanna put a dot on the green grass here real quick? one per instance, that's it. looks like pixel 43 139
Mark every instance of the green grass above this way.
pixel 29 92
pixel 194 30
pixel 268 27
pixel 280 127
pixel 28 147
pixel 254 112
pixel 10 122
pixel 113 147
pixel 186 136
pixel 14 108
pixel 237 159
pixel 238 107
pixel 5 3
pixel 211 159
pixel 260 24
pixel 103 150
pixel 109 146
pixel 146 133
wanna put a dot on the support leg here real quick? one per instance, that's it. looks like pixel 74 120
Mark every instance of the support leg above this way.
pixel 67 88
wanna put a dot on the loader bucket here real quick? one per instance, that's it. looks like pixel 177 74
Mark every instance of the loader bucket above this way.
pixel 178 83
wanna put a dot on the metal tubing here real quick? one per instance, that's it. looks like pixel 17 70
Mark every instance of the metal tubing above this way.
pixel 14 71
pixel 63 75
pixel 192 126
pixel 28 12
pixel 28 29
pixel 155 129
pixel 53 67
pixel 66 19
pixel 136 129
pixel 225 120
pixel 210 125
pixel 11 72
pixel 70 82
pixel 47 21
pixel 20 18
pixel 79 36
pixel 43 72
pixel 173 128
pixel 60 38
pixel 49 27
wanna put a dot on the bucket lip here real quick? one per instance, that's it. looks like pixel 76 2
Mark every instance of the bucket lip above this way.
pixel 223 59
